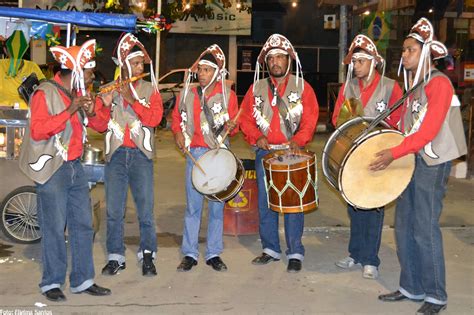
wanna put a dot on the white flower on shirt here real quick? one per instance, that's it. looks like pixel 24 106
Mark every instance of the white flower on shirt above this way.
pixel 416 106
pixel 381 106
pixel 258 101
pixel 293 97
pixel 217 107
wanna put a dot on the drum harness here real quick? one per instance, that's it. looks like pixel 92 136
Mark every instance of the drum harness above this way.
pixel 282 108
pixel 388 111
pixel 208 114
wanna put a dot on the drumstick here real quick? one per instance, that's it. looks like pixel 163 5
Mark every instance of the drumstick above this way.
pixel 194 160
pixel 228 130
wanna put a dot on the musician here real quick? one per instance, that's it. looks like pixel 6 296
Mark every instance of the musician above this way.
pixel 281 109
pixel 50 156
pixel 129 114
pixel 374 92
pixel 14 69
pixel 203 115
pixel 432 123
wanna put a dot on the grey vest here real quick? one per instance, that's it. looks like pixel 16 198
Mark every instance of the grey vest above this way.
pixel 217 107
pixel 378 101
pixel 450 142
pixel 39 160
pixel 263 111
pixel 121 116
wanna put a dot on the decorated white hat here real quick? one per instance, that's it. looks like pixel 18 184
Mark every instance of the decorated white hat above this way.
pixel 130 47
pixel 365 43
pixel 212 56
pixel 76 59
pixel 423 32
pixel 278 44
pixel 369 51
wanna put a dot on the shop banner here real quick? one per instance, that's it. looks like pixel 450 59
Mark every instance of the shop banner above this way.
pixel 222 21
pixel 64 5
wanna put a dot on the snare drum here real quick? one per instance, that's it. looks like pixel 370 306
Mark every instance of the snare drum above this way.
pixel 346 158
pixel 291 181
pixel 223 178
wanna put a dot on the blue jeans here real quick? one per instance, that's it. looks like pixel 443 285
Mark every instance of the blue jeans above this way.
pixel 64 199
pixel 366 234
pixel 192 217
pixel 268 220
pixel 418 235
pixel 129 166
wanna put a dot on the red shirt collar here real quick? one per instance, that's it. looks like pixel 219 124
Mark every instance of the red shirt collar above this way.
pixel 374 82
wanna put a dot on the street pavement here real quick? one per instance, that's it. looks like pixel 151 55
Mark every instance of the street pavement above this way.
pixel 320 288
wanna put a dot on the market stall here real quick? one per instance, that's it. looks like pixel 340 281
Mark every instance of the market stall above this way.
pixel 17 192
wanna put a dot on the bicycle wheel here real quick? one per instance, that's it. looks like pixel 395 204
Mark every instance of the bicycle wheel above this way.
pixel 19 216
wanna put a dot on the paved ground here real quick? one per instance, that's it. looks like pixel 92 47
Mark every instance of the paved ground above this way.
pixel 321 287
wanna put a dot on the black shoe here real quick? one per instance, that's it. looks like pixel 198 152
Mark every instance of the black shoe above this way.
pixel 187 263
pixel 294 265
pixel 264 259
pixel 148 268
pixel 96 290
pixel 217 264
pixel 112 267
pixel 429 308
pixel 55 295
pixel 395 297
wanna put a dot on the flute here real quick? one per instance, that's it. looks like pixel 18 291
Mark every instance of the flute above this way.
pixel 118 84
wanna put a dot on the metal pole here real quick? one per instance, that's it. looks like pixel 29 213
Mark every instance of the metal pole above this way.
pixel 68 37
pixel 342 40
pixel 158 39
pixel 232 61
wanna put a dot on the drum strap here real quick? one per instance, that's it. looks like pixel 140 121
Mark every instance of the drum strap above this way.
pixel 282 108
pixel 208 114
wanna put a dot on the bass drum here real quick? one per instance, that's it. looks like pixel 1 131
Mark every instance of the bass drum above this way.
pixel 346 158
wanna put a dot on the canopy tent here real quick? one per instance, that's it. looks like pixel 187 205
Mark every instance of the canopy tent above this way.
pixel 111 21
pixel 120 22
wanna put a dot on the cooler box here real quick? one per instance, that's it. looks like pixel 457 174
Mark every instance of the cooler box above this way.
pixel 241 212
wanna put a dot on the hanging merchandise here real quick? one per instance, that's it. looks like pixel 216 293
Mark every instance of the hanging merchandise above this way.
pixel 16 46
pixel 154 24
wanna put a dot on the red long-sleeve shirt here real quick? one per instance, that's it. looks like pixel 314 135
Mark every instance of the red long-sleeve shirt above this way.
pixel 44 125
pixel 149 117
pixel 439 93
pixel 198 138
pixel 309 117
pixel 366 94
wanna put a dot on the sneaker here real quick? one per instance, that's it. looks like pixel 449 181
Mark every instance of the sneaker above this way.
pixel 370 272
pixel 148 267
pixel 346 263
pixel 112 268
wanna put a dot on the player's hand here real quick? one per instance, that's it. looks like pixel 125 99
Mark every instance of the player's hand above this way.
pixel 179 139
pixel 382 160
pixel 262 143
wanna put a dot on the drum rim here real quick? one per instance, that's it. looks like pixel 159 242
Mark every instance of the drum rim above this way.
pixel 208 152
pixel 353 147
pixel 324 157
pixel 238 187
pixel 286 167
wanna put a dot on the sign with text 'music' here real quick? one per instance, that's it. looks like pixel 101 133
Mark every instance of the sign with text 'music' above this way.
pixel 222 21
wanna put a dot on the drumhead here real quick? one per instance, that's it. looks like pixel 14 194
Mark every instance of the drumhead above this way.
pixel 349 130
pixel 220 167
pixel 288 159
pixel 366 189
